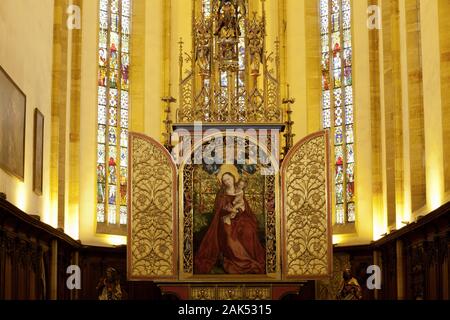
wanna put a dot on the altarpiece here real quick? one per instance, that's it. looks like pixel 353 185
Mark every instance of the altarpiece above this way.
pixel 229 207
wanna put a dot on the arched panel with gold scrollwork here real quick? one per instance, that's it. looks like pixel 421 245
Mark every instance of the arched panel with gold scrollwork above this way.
pixel 152 243
pixel 306 210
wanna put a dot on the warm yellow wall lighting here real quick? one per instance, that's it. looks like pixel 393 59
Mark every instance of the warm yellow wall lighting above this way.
pixel 400 209
pixel 405 215
pixel 116 240
pixel 337 239
pixel 405 220
pixel 379 225
pixel 21 196
pixel 72 222
pixel 53 214
pixel 436 187
pixel 47 213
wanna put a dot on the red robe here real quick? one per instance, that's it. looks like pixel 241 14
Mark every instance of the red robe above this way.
pixel 239 244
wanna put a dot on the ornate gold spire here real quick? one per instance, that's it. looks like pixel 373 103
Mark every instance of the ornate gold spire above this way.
pixel 231 77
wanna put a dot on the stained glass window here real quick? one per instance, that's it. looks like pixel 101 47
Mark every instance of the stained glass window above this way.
pixel 113 113
pixel 337 100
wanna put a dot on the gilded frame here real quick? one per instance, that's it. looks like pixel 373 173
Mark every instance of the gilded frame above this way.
pixel 190 276
pixel 14 164
pixel 38 154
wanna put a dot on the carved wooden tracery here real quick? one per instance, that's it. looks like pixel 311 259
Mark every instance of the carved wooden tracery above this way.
pixel 229 76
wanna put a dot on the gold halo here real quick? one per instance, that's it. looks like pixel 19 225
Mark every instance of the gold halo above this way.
pixel 228 168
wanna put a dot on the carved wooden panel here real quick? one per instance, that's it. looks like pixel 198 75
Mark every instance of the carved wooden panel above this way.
pixel 258 293
pixel 230 293
pixel 203 293
pixel 306 213
pixel 152 243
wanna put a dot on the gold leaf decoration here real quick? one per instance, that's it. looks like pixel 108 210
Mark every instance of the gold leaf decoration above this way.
pixel 258 293
pixel 307 234
pixel 230 293
pixel 152 242
pixel 203 293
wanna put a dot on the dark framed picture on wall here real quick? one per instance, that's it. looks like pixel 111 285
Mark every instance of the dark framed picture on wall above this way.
pixel 38 157
pixel 12 126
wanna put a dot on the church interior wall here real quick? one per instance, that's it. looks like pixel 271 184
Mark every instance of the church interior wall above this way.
pixel 444 43
pixel 432 101
pixel 26 55
pixel 389 152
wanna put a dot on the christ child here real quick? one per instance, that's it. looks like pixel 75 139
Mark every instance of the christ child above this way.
pixel 238 203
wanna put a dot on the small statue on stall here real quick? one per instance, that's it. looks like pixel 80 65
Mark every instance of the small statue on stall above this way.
pixel 350 289
pixel 109 286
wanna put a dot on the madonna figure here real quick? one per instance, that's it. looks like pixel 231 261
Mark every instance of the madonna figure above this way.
pixel 232 235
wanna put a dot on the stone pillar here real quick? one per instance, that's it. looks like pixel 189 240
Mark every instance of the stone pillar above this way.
pixel 432 100
pixel 444 41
